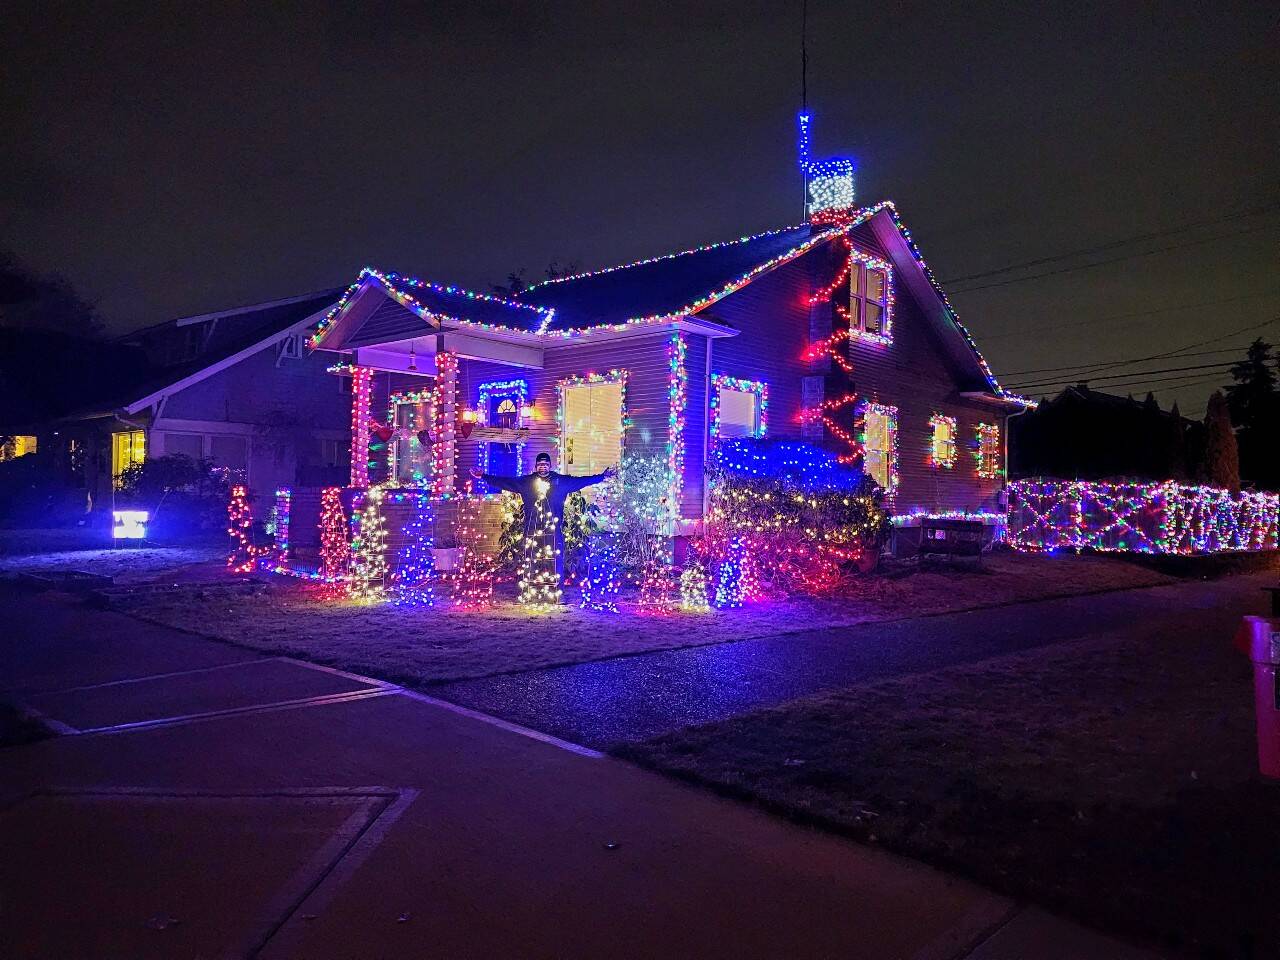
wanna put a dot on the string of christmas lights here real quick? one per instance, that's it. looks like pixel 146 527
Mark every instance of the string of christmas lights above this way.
pixel 245 554
pixel 335 536
pixel 1158 518
pixel 721 382
pixel 472 583
pixel 693 589
pixel 361 388
pixel 874 415
pixel 517 389
pixel 444 438
pixel 539 584
pixel 677 398
pixel 942 445
pixel 284 500
pixel 600 582
pixel 415 567
pixel 368 579
pixel 988 451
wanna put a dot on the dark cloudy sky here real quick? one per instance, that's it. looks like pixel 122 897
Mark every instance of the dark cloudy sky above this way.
pixel 197 156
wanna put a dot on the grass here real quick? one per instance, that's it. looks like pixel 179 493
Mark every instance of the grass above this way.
pixel 434 645
pixel 125 564
pixel 1114 781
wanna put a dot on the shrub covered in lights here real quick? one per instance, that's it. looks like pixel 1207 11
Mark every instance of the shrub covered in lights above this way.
pixel 804 520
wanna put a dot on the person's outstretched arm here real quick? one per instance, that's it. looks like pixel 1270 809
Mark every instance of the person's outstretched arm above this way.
pixel 574 484
pixel 510 484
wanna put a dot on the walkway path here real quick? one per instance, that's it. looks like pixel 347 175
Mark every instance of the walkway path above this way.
pixel 208 801
pixel 638 697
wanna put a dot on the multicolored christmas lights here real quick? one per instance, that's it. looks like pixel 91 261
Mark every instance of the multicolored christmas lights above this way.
pixel 361 388
pixel 413 584
pixel 245 554
pixel 471 585
pixel 444 447
pixel 519 391
pixel 830 183
pixel 616 375
pixel 883 419
pixel 721 382
pixel 368 577
pixel 987 451
pixel 335 536
pixel 539 584
pixel 942 441
pixel 1157 518
pixel 677 399
pixel 693 589
pixel 600 582
pixel 730 591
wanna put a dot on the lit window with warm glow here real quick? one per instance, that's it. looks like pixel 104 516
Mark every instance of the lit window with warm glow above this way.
pixel 592 412
pixel 988 451
pixel 870 298
pixel 127 448
pixel 942 446
pixel 13 447
pixel 880 442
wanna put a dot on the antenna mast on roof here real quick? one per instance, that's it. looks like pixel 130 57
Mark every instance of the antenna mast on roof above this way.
pixel 804 102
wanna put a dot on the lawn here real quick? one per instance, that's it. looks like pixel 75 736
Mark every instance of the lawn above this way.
pixel 432 645
pixel 125 564
pixel 1114 781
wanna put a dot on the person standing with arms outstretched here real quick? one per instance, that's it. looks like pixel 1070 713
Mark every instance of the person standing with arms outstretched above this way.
pixel 544 492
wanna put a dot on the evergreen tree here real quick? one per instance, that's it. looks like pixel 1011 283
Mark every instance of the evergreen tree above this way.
pixel 1222 458
pixel 1255 405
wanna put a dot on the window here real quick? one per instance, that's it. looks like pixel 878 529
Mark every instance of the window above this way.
pixel 412 416
pixel 738 407
pixel 880 445
pixel 188 444
pixel 988 451
pixel 592 415
pixel 231 454
pixel 127 448
pixel 333 453
pixel 942 446
pixel 870 297
pixel 14 447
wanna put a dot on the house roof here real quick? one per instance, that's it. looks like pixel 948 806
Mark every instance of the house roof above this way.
pixel 673 285
pixel 229 335
pixel 663 289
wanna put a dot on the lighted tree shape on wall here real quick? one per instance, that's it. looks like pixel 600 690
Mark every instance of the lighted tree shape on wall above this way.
pixel 335 536
pixel 369 551
pixel 415 568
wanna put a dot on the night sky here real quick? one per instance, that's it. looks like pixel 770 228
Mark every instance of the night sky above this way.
pixel 203 156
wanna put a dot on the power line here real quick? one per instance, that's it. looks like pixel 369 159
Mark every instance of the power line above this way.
pixel 1160 311
pixel 1179 350
pixel 1077 366
pixel 1139 238
pixel 1127 256
pixel 1130 373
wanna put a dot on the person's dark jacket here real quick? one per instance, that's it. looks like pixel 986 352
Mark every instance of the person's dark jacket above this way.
pixel 561 486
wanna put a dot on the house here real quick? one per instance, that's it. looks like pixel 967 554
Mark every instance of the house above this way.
pixel 1084 434
pixel 238 387
pixel 833 330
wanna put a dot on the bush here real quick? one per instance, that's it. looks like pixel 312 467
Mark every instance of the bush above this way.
pixel 185 497
pixel 33 494
pixel 808 521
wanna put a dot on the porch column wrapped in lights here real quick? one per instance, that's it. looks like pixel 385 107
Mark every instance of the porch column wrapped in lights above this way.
pixel 444 446
pixel 361 386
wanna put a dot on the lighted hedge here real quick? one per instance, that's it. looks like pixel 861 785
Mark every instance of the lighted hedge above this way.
pixel 1163 518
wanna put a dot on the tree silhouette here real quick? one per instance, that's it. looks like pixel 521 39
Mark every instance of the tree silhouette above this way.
pixel 1222 458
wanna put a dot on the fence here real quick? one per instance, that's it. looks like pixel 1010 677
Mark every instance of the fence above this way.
pixel 1167 518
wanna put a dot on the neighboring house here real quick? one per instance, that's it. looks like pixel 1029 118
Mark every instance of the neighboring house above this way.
pixel 833 330
pixel 238 387
pixel 1083 434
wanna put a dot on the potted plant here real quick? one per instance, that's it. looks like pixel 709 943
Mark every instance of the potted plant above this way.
pixel 447 553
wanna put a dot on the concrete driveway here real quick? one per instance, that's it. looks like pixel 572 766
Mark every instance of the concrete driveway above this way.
pixel 209 802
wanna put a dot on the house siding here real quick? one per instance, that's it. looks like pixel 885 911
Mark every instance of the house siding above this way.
pixel 284 411
pixel 776 325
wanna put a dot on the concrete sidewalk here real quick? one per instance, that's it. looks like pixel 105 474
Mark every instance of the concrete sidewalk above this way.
pixel 243 805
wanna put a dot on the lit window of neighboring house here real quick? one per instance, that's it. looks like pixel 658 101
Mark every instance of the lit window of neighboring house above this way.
pixel 870 298
pixel 739 408
pixel 942 444
pixel 880 445
pixel 988 452
pixel 127 448
pixel 14 447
